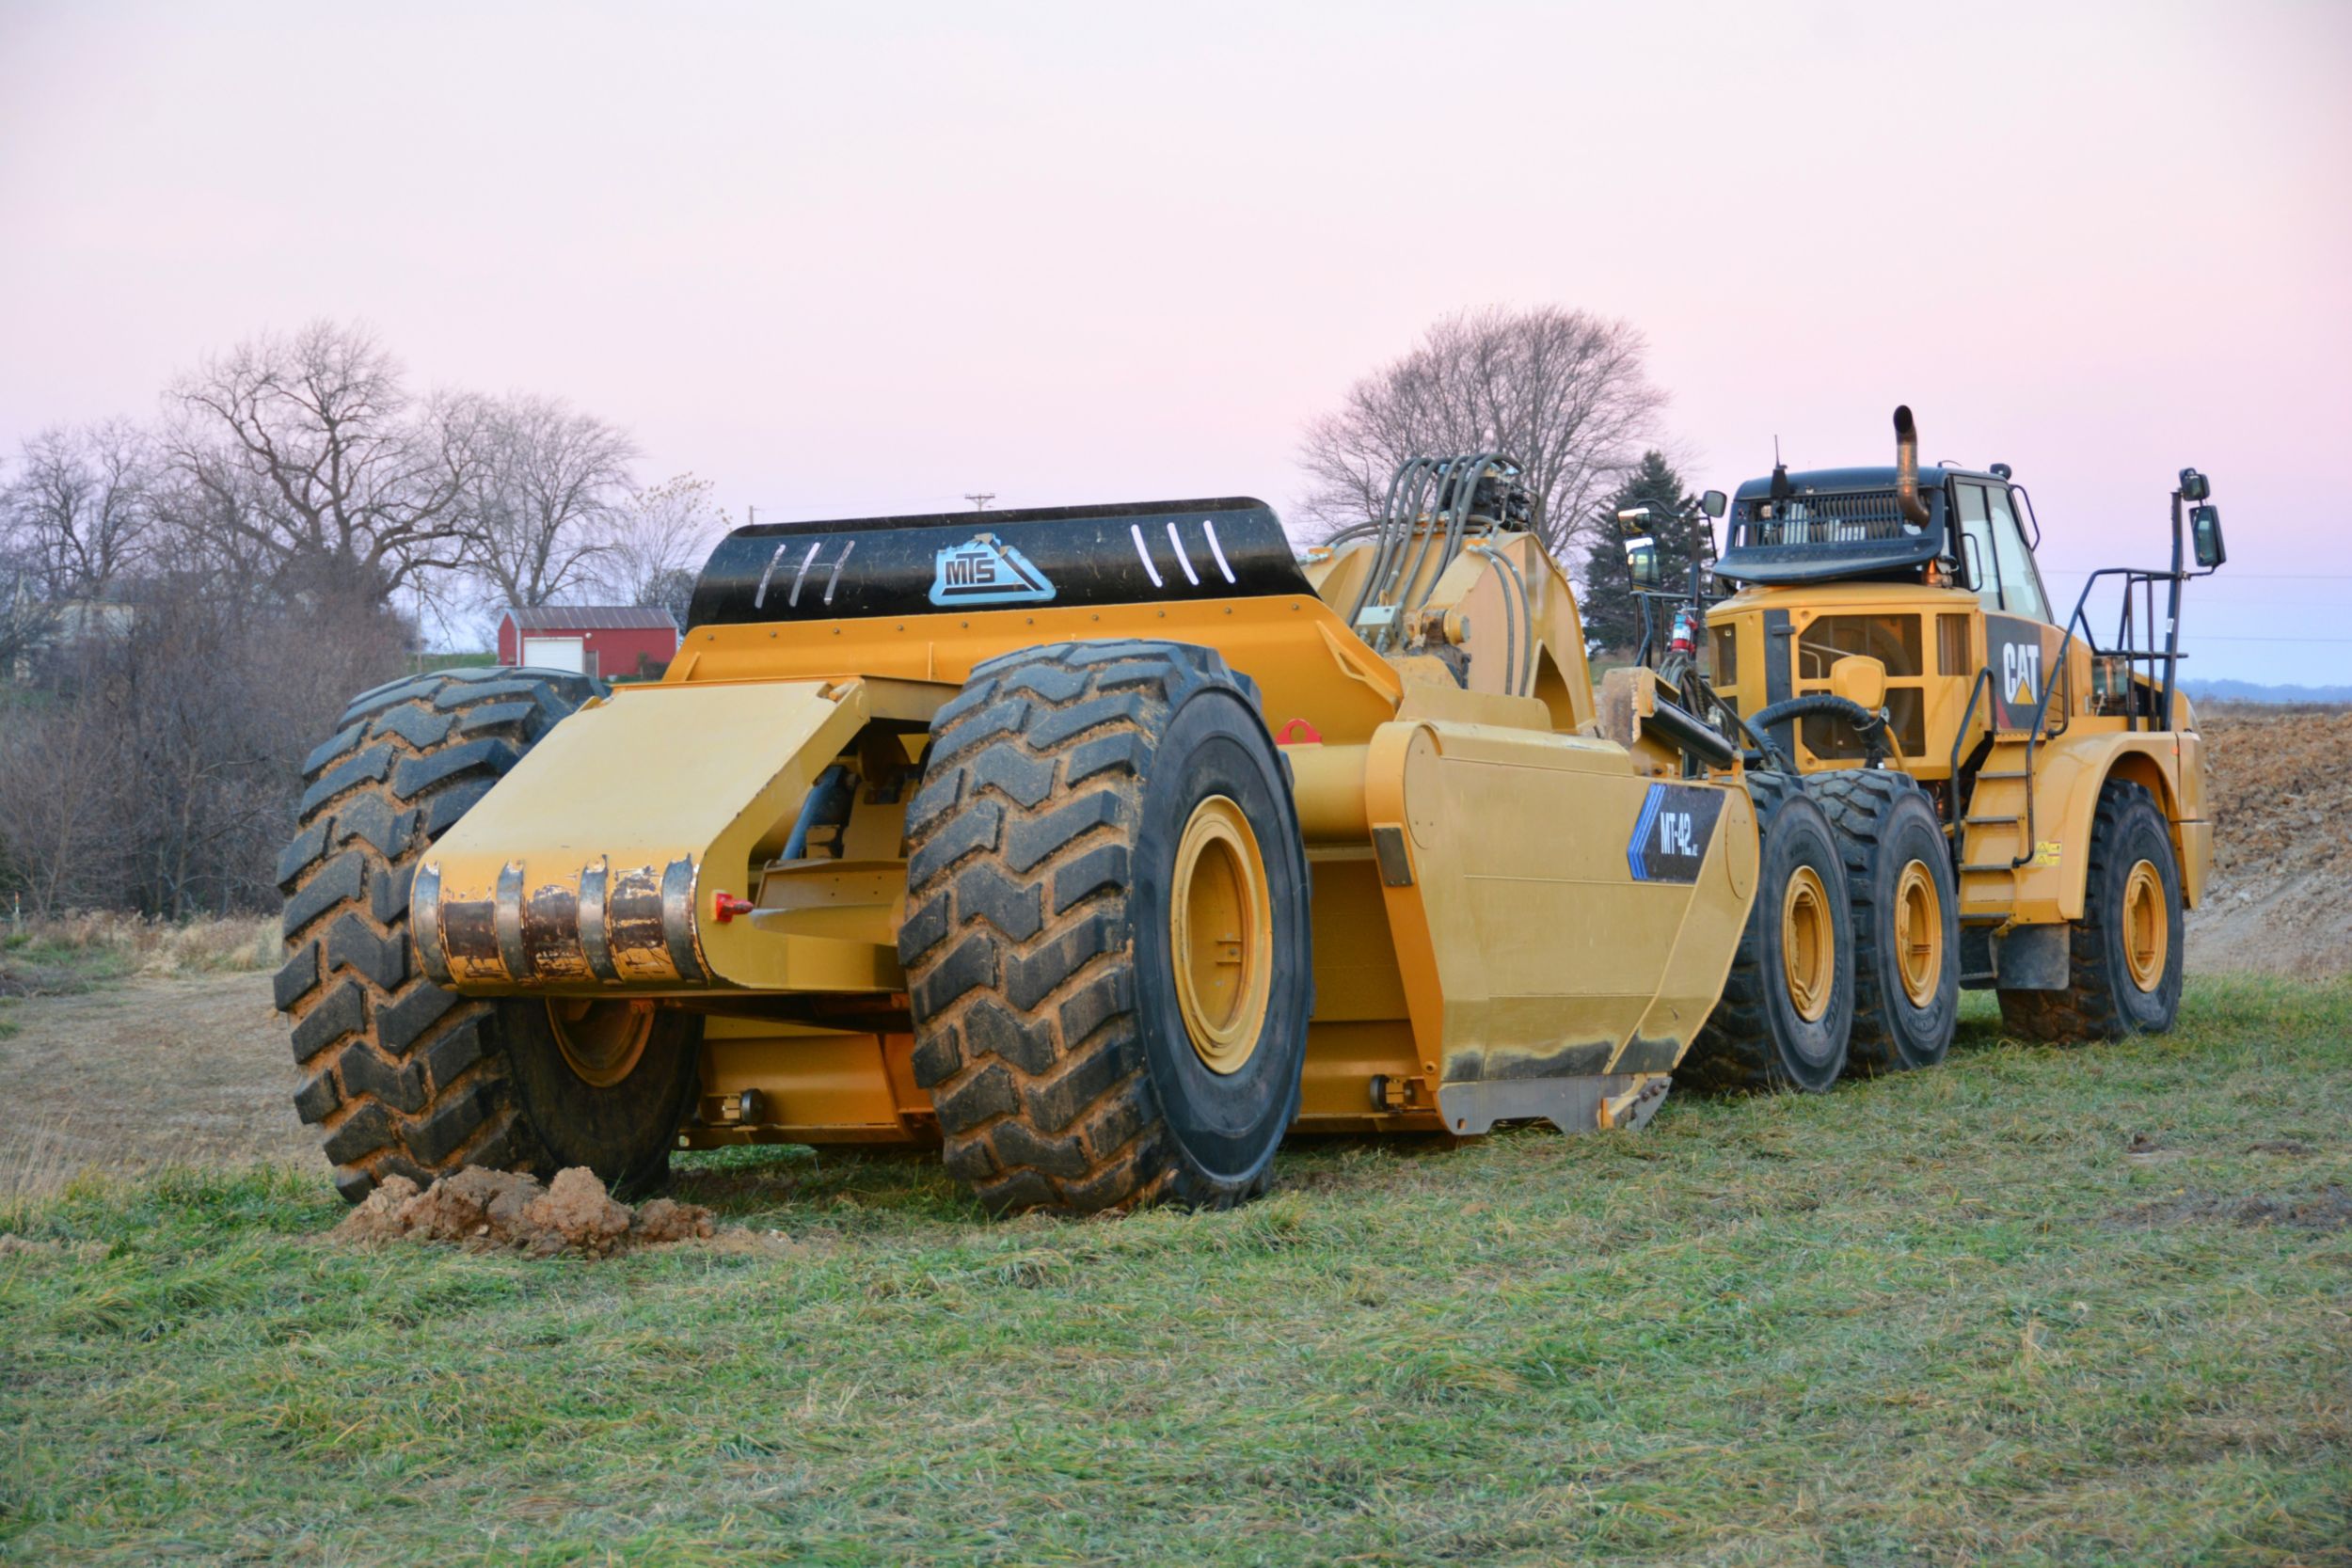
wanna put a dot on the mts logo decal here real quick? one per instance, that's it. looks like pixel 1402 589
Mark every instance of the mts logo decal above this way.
pixel 1671 835
pixel 984 570
pixel 2015 648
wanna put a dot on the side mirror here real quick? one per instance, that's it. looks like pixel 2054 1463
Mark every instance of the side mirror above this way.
pixel 1714 504
pixel 1641 560
pixel 2204 531
pixel 1634 520
pixel 1859 678
pixel 2195 487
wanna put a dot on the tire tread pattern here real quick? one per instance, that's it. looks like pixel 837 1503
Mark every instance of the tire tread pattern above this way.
pixel 1019 938
pixel 2090 1008
pixel 396 1072
pixel 1858 802
pixel 1735 1051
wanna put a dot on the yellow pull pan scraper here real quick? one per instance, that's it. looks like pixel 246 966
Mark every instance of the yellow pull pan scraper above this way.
pixel 1099 846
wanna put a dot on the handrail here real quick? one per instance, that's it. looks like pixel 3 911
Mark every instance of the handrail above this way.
pixel 2169 653
pixel 1982 682
pixel 2171 657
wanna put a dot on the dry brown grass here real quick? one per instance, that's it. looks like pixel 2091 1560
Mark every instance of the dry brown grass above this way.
pixel 68 952
pixel 34 1167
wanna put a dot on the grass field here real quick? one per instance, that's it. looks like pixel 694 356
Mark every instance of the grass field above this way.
pixel 2037 1306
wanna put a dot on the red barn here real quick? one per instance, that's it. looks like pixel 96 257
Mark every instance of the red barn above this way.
pixel 594 639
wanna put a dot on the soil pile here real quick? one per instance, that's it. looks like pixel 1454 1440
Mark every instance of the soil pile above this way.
pixel 500 1211
pixel 2279 789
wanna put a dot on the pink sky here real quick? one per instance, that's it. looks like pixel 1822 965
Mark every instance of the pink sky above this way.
pixel 846 260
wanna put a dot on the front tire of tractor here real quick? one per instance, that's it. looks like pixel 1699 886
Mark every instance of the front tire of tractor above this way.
pixel 1788 1007
pixel 402 1077
pixel 2125 954
pixel 1106 940
pixel 1906 917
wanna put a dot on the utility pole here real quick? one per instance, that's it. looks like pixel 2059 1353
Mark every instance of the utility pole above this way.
pixel 751 515
pixel 979 498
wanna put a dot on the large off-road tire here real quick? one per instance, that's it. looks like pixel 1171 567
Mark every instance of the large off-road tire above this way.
pixel 1788 1007
pixel 2125 954
pixel 1095 820
pixel 402 1077
pixel 1906 917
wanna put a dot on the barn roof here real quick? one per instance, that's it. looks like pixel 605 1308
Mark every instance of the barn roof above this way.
pixel 590 617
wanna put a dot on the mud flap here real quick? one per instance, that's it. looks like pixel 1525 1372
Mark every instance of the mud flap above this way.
pixel 2032 958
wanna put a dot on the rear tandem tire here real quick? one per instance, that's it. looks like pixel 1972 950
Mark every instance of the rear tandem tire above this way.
pixel 1788 1007
pixel 1107 942
pixel 1906 917
pixel 406 1078
pixel 2125 954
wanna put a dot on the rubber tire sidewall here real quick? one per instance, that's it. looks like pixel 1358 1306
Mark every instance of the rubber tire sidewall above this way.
pixel 2141 834
pixel 1225 1126
pixel 1810 1056
pixel 1921 1036
pixel 624 1132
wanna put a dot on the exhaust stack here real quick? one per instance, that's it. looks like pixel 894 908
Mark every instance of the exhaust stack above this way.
pixel 1907 467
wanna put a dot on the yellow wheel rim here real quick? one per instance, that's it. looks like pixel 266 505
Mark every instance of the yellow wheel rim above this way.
pixel 1808 945
pixel 601 1041
pixel 1221 935
pixel 1918 933
pixel 2147 932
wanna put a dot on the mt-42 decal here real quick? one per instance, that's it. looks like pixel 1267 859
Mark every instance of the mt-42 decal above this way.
pixel 1671 835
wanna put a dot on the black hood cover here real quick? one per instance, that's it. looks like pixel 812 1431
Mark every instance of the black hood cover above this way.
pixel 1133 552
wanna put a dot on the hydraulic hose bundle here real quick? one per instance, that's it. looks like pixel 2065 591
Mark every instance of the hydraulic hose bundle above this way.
pixel 1436 506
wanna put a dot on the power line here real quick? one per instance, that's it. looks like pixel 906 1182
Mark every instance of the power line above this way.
pixel 858 509
pixel 979 498
pixel 2258 577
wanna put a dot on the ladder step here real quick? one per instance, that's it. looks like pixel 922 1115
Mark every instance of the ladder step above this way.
pixel 2002 773
pixel 2002 866
pixel 1990 821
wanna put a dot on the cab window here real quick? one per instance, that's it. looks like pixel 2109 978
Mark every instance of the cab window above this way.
pixel 1994 553
pixel 2021 584
pixel 1976 560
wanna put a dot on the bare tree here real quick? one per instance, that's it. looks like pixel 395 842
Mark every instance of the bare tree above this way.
pixel 1564 391
pixel 81 506
pixel 658 544
pixel 160 769
pixel 26 615
pixel 545 500
pixel 308 452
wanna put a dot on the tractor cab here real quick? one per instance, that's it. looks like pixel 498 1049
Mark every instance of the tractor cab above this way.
pixel 1930 576
pixel 1967 528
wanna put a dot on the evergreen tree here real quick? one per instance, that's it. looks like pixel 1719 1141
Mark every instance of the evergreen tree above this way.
pixel 1612 616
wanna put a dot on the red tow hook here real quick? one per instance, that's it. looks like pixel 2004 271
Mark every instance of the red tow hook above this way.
pixel 725 906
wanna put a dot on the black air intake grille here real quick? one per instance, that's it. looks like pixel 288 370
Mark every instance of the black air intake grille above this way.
pixel 1855 518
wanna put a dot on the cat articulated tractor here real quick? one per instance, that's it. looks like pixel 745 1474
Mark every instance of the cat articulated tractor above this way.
pixel 1100 846
pixel 2021 804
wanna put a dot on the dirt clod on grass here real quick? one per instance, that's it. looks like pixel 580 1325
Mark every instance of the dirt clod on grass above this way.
pixel 2329 1209
pixel 501 1210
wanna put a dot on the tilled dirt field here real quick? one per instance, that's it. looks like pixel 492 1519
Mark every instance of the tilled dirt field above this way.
pixel 2279 787
pixel 196 1070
